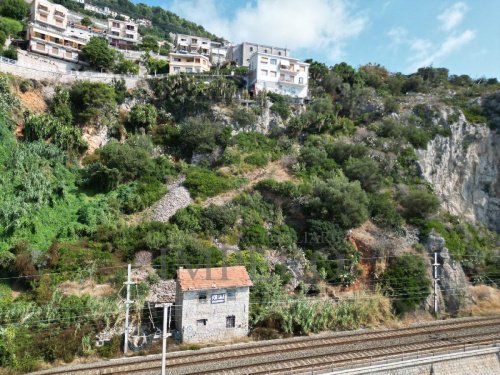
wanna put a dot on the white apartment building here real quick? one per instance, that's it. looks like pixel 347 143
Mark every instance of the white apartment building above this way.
pixel 106 11
pixel 212 303
pixel 188 63
pixel 192 44
pixel 241 53
pixel 275 73
pixel 218 53
pixel 122 34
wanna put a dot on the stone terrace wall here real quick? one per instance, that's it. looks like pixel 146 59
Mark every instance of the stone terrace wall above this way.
pixel 14 68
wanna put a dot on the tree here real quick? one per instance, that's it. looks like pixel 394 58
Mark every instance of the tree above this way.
pixel 16 9
pixel 86 21
pixel 98 53
pixel 60 106
pixel 10 26
pixel 124 66
pixel 93 100
pixel 406 281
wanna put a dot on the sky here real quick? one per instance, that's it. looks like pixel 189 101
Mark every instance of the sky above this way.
pixel 402 35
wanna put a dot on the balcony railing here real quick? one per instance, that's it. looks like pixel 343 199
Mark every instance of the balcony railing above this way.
pixel 43 10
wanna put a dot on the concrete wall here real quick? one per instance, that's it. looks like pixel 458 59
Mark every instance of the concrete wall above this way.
pixel 193 310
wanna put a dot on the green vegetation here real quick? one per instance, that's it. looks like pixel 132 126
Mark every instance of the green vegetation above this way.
pixel 16 9
pixel 77 182
pixel 406 281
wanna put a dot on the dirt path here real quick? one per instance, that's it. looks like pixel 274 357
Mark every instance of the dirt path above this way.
pixel 274 170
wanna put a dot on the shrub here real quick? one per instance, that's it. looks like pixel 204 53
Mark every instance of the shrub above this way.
pixel 254 236
pixel 406 281
pixel 203 183
pixel 419 203
pixel 383 211
pixel 16 9
pixel 339 200
pixel 140 195
pixel 366 171
pixel 142 116
pixel 259 159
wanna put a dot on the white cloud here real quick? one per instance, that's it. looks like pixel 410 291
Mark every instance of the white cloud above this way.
pixel 322 25
pixel 452 16
pixel 425 54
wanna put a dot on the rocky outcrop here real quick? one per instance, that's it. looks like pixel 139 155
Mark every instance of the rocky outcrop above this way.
pixel 177 197
pixel 464 171
pixel 453 283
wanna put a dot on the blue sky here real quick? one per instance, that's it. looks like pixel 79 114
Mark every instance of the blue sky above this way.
pixel 402 35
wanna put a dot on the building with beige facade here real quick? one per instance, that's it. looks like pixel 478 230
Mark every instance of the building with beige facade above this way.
pixel 188 63
pixel 50 33
pixel 122 34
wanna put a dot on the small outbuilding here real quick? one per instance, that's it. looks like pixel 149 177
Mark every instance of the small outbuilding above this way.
pixel 211 304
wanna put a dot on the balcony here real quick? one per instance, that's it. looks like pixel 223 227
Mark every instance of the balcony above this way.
pixel 43 10
pixel 290 69
pixel 60 15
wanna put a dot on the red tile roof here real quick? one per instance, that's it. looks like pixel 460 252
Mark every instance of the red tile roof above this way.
pixel 213 278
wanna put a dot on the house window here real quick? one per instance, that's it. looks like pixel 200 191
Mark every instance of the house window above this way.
pixel 130 27
pixel 274 61
pixel 279 53
pixel 43 17
pixel 202 297
pixel 251 49
pixel 69 55
pixel 40 47
pixel 230 321
pixel 189 70
pixel 273 74
pixel 177 69
pixel 116 24
pixel 301 79
pixel 55 51
pixel 194 40
pixel 231 294
pixel 201 323
pixel 130 36
pixel 263 72
pixel 116 33
pixel 265 51
pixel 177 59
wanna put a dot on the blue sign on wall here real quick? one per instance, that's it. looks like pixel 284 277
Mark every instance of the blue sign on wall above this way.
pixel 218 298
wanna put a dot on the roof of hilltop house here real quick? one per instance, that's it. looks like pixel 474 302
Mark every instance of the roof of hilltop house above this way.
pixel 213 278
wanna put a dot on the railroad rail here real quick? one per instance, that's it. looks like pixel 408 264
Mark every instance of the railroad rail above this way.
pixel 321 352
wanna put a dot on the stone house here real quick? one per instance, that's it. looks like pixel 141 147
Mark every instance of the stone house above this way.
pixel 212 303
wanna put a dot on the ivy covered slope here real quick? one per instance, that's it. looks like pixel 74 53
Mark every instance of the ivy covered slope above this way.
pixel 324 203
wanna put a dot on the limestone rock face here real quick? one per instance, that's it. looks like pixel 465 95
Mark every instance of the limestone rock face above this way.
pixel 453 283
pixel 464 171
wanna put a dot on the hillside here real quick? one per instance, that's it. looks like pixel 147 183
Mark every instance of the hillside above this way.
pixel 164 21
pixel 335 206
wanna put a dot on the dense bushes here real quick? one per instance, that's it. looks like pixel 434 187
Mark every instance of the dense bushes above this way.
pixel 204 183
pixel 407 282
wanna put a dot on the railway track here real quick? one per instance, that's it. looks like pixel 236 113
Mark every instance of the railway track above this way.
pixel 279 356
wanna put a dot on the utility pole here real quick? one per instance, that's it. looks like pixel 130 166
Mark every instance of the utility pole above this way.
pixel 436 279
pixel 128 302
pixel 167 314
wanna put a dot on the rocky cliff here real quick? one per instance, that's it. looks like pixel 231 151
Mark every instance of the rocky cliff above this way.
pixel 464 171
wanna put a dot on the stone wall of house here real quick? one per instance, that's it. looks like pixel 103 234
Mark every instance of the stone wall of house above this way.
pixel 192 310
